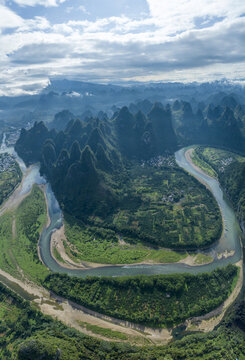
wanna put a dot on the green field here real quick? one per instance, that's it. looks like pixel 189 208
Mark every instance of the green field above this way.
pixel 19 235
pixel 99 245
pixel 157 300
pixel 103 331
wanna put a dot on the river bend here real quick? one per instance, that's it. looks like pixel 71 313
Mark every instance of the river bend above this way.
pixel 230 241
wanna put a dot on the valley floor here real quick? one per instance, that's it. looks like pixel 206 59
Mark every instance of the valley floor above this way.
pixel 80 318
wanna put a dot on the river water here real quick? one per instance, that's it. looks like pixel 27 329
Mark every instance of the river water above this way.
pixel 230 241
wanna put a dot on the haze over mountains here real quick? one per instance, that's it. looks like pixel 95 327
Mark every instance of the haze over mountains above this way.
pixel 131 116
pixel 84 157
pixel 86 99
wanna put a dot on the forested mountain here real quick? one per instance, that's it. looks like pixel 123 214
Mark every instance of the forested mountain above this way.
pixel 230 169
pixel 61 120
pixel 86 163
pixel 222 125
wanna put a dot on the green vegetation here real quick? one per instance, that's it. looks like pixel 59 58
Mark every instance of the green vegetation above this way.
pixel 98 175
pixel 216 159
pixel 203 165
pixel 220 125
pixel 103 331
pixel 7 261
pixel 57 255
pixel 230 168
pixel 203 259
pixel 10 175
pixel 173 209
pixel 155 210
pixel 163 300
pixel 95 244
pixel 26 334
pixel 19 235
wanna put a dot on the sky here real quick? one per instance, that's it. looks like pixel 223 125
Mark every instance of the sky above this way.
pixel 119 41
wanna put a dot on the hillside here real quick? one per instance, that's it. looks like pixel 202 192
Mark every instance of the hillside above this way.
pixel 230 169
pixel 119 175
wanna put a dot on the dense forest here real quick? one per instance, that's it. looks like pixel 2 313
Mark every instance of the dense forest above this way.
pixel 26 334
pixel 84 163
pixel 118 177
pixel 220 123
pixel 230 170
pixel 166 300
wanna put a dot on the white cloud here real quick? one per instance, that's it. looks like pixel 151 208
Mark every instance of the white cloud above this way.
pixel 188 9
pixel 8 19
pixel 46 3
pixel 181 15
pixel 38 23
pixel 181 40
pixel 83 9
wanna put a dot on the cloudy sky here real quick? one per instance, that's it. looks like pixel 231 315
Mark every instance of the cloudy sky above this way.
pixel 119 41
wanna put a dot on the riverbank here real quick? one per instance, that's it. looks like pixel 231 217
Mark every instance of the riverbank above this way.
pixel 54 308
pixel 209 321
pixel 15 198
pixel 188 156
pixel 60 255
pixel 74 315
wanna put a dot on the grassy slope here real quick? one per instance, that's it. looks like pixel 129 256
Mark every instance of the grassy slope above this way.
pixel 163 300
pixel 19 246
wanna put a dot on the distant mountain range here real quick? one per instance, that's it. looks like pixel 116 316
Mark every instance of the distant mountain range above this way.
pixel 82 158
pixel 82 97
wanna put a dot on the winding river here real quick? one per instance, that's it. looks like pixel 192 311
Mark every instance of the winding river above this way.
pixel 230 241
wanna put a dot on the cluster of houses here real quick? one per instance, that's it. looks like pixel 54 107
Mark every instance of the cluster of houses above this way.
pixel 224 163
pixel 159 161
pixel 7 162
pixel 12 137
pixel 174 197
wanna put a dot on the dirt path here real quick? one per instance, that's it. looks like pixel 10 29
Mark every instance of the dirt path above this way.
pixel 14 228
